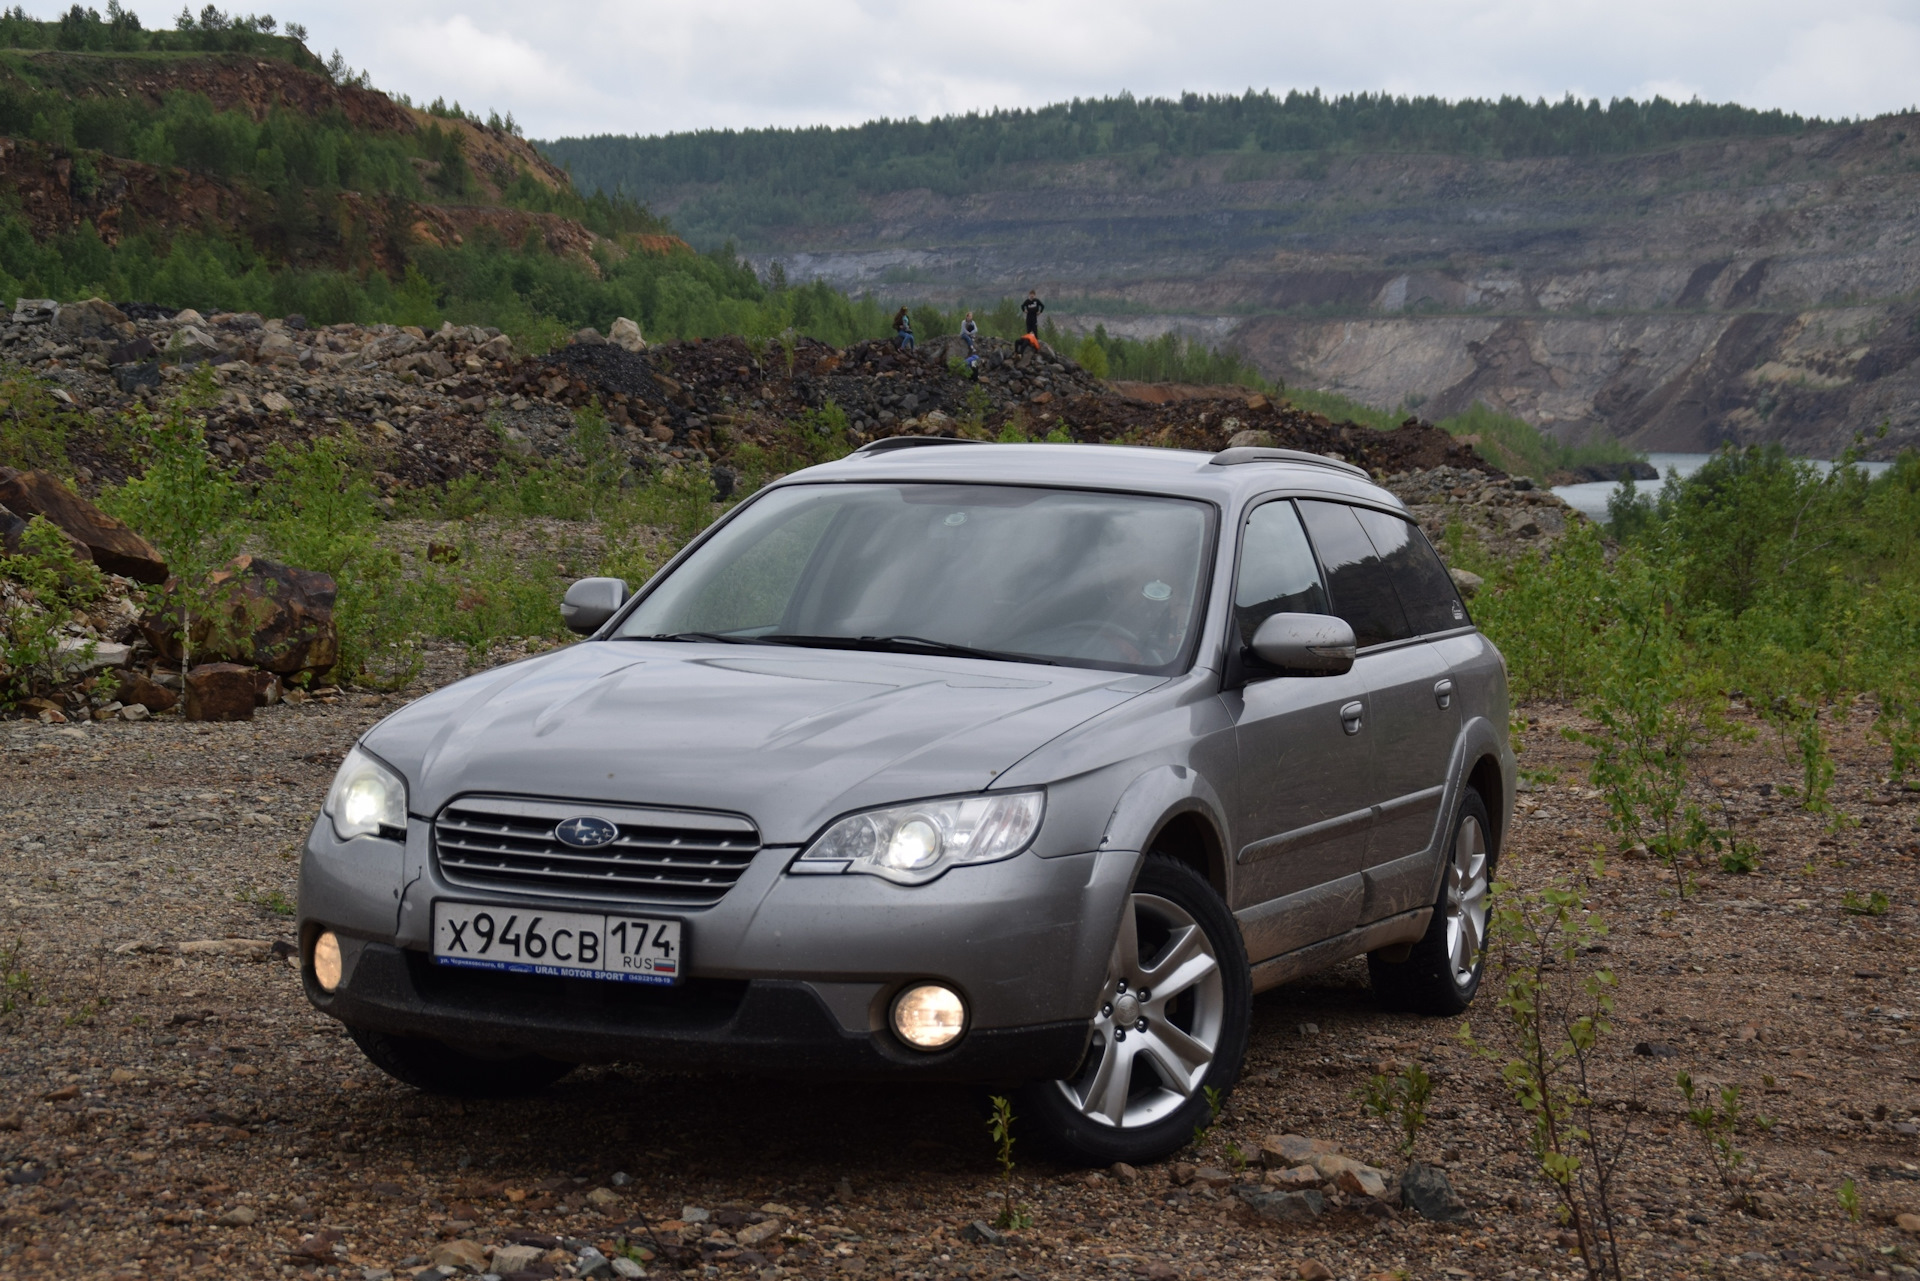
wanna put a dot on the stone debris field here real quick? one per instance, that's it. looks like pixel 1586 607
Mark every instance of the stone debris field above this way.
pixel 171 1107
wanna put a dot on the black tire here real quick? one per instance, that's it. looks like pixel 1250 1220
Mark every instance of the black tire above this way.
pixel 439 1069
pixel 1428 981
pixel 1082 1139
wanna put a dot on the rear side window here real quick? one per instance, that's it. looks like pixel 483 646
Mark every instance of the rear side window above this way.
pixel 1358 579
pixel 1277 570
pixel 1426 589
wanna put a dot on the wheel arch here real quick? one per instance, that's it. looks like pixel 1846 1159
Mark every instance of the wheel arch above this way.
pixel 1189 836
pixel 1485 777
pixel 1173 810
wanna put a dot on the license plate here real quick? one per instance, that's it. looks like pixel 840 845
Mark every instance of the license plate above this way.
pixel 629 949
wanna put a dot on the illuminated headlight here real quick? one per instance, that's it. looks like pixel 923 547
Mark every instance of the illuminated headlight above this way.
pixel 929 1016
pixel 914 843
pixel 367 799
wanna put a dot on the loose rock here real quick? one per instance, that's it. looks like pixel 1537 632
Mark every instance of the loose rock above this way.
pixel 1428 1192
pixel 1283 1207
pixel 220 692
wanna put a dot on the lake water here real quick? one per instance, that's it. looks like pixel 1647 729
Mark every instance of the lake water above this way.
pixel 1591 498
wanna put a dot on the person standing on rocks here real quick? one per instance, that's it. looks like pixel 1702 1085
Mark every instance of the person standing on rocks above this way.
pixel 969 332
pixel 903 329
pixel 1031 309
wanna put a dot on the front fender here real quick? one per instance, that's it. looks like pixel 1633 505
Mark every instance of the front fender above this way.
pixel 1155 799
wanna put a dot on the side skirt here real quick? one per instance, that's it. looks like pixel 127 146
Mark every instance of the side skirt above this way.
pixel 1408 927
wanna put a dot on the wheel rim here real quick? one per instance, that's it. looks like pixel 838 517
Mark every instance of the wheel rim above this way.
pixel 1466 899
pixel 1158 1020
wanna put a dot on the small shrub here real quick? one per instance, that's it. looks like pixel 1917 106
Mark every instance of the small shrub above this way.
pixel 1874 904
pixel 1401 1099
pixel 1000 1128
pixel 1554 1014
pixel 317 510
pixel 39 590
pixel 16 982
pixel 1718 1124
pixel 33 428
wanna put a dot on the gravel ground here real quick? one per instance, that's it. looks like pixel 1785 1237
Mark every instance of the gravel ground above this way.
pixel 170 1111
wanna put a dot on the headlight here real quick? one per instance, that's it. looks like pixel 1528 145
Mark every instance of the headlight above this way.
pixel 912 844
pixel 367 799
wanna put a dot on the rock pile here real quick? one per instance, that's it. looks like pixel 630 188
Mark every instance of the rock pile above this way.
pixel 275 625
pixel 1504 514
pixel 433 407
pixel 1302 1178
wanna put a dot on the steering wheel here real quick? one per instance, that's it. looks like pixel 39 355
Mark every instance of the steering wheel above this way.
pixel 1127 644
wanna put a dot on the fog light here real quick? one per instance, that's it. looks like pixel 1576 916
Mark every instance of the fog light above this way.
pixel 326 961
pixel 928 1016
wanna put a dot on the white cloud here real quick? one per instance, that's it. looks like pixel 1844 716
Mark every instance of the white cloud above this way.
pixel 648 66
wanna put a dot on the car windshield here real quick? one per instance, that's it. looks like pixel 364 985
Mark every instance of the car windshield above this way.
pixel 1026 574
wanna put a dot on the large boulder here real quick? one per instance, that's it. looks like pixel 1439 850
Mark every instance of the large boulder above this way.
pixel 114 547
pixel 94 318
pixel 135 688
pixel 190 343
pixel 276 617
pixel 626 334
pixel 220 692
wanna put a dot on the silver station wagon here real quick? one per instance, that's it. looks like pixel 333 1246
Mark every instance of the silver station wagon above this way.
pixel 1018 764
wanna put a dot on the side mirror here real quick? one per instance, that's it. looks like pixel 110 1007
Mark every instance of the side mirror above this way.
pixel 591 602
pixel 1311 644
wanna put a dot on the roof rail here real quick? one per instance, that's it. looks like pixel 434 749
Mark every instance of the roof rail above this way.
pixel 1249 454
pixel 887 444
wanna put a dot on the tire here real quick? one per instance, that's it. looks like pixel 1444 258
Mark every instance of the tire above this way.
pixel 1442 972
pixel 1143 1104
pixel 439 1069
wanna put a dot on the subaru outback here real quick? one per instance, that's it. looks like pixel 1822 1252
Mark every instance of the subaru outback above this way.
pixel 1020 764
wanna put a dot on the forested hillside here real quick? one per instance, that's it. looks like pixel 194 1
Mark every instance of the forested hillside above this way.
pixel 744 183
pixel 221 165
pixel 1668 275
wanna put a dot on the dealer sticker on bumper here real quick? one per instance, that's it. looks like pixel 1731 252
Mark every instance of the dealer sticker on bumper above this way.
pixel 632 949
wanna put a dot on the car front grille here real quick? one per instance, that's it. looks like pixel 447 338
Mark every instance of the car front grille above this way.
pixel 680 858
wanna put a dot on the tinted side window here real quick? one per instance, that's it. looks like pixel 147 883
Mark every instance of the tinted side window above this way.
pixel 1426 589
pixel 1357 578
pixel 1277 571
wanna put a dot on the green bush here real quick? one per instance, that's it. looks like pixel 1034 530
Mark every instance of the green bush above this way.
pixel 316 510
pixel 40 587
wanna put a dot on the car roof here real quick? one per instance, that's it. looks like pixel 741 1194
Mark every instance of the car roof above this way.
pixel 1226 478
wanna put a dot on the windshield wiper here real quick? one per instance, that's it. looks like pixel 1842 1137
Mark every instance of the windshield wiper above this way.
pixel 718 637
pixel 905 645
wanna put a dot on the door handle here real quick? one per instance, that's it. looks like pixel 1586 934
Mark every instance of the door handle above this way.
pixel 1350 717
pixel 1443 694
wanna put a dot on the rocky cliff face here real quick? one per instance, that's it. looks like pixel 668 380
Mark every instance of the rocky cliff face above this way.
pixel 1757 290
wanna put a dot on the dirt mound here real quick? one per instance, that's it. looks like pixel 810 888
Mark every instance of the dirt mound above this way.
pixel 707 394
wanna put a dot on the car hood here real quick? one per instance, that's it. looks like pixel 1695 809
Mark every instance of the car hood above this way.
pixel 791 738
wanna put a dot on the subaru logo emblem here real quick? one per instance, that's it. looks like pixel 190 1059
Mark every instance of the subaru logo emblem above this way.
pixel 586 833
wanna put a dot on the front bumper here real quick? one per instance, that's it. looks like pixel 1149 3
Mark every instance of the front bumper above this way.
pixel 786 974
pixel 757 1025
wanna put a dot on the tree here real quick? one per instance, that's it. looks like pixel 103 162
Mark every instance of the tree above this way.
pixel 189 508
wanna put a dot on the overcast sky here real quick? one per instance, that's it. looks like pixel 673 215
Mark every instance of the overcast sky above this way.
pixel 637 66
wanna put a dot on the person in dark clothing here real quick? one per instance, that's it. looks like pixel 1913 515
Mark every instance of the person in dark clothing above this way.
pixel 1032 308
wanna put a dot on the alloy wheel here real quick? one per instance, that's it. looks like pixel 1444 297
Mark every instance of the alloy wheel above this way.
pixel 1466 899
pixel 1158 1022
